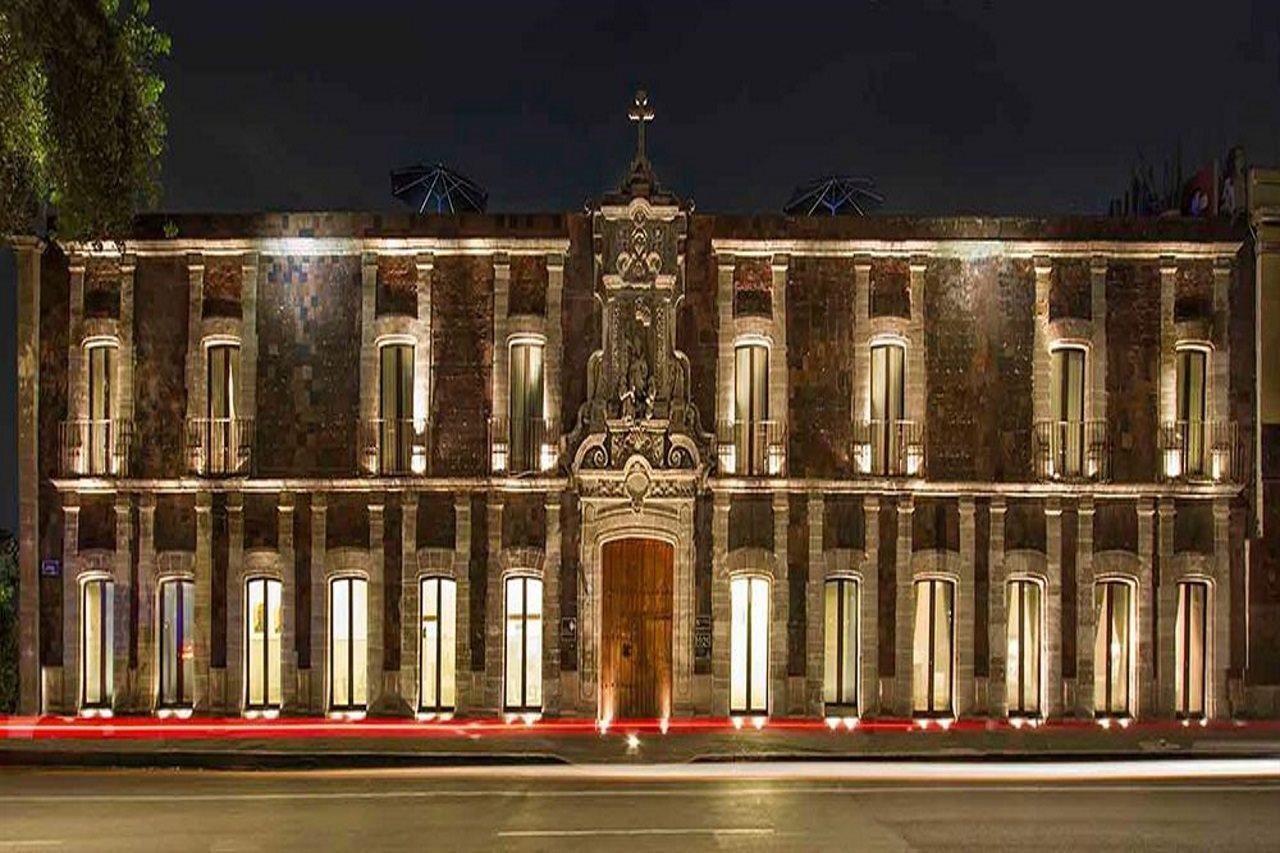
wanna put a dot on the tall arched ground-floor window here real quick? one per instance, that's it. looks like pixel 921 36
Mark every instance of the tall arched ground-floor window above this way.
pixel 177 643
pixel 841 651
pixel 97 635
pixel 522 663
pixel 263 633
pixel 749 645
pixel 348 644
pixel 1024 636
pixel 437 649
pixel 933 649
pixel 1114 648
pixel 1190 650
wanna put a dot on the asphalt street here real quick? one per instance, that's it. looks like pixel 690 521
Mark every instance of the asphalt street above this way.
pixel 687 807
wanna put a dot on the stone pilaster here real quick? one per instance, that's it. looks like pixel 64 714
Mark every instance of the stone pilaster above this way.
pixel 780 605
pixel 123 394
pixel 1168 342
pixel 903 609
pixel 1041 364
pixel 965 607
pixel 724 341
pixel 147 648
pixel 551 607
pixel 555 347
pixel 467 698
pixel 319 670
pixel 235 627
pixel 202 635
pixel 997 592
pixel 917 378
pixel 410 604
pixel 1167 612
pixel 121 693
pixel 720 604
pixel 869 690
pixel 1098 345
pixel 289 601
pixel 1053 608
pixel 28 358
pixel 861 404
pixel 248 390
pixel 1219 641
pixel 196 378
pixel 1085 624
pixel 501 352
pixel 383 685
pixel 815 625
pixel 1220 381
pixel 778 394
pixel 422 352
pixel 77 384
pixel 1146 610
pixel 369 371
pixel 494 610
pixel 69 701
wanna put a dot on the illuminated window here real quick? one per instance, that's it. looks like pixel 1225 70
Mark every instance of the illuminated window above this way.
pixel 1190 659
pixel 263 632
pixel 751 407
pixel 395 408
pixel 437 650
pixel 1192 406
pixel 348 644
pixel 177 645
pixel 102 378
pixel 933 648
pixel 523 664
pixel 888 405
pixel 1113 649
pixel 224 380
pixel 749 646
pixel 1066 400
pixel 97 634
pixel 840 640
pixel 1023 631
pixel 525 408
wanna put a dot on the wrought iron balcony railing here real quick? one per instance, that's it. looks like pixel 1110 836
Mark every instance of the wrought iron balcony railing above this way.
pixel 94 448
pixel 1072 451
pixel 392 446
pixel 217 447
pixel 523 445
pixel 889 448
pixel 1202 452
pixel 751 448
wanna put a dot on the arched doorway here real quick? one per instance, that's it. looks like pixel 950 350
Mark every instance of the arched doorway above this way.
pixel 635 636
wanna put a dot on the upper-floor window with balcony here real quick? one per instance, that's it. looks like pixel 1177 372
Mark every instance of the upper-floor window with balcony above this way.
pixel 526 423
pixel 101 426
pixel 222 439
pixel 395 427
pixel 1192 408
pixel 1066 402
pixel 751 408
pixel 888 408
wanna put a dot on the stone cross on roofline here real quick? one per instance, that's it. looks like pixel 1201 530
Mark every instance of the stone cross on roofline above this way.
pixel 641 113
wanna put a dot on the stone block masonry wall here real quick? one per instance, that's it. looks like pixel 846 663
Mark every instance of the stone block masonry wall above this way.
pixel 1133 362
pixel 309 321
pixel 461 330
pixel 820 363
pixel 697 332
pixel 160 383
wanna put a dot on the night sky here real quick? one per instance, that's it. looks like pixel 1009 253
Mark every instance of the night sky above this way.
pixel 980 107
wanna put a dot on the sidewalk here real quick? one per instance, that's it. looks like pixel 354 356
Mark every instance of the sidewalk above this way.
pixel 233 743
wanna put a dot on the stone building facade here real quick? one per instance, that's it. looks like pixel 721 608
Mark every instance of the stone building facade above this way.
pixel 641 461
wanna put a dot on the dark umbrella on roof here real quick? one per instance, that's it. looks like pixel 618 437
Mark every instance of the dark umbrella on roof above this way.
pixel 834 195
pixel 437 189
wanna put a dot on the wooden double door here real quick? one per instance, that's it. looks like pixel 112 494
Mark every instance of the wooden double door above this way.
pixel 635 637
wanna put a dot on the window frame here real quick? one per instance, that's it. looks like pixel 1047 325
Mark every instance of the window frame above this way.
pixel 1023 583
pixel 752 446
pixel 1194 432
pixel 524 451
pixel 397 428
pixel 269 646
pixel 527 661
pixel 442 649
pixel 1103 615
pixel 103 432
pixel 930 711
pixel 757 696
pixel 182 634
pixel 106 642
pixel 1182 642
pixel 353 660
pixel 842 704
pixel 887 445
